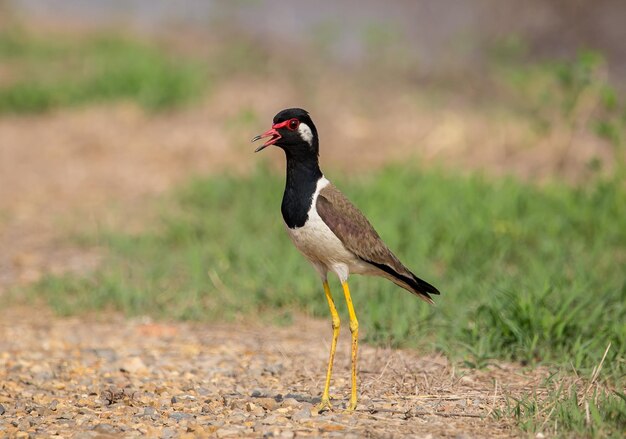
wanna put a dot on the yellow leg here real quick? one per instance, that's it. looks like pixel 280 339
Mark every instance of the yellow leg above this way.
pixel 354 330
pixel 325 403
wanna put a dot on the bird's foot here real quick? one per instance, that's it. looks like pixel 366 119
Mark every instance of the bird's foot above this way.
pixel 324 405
pixel 351 405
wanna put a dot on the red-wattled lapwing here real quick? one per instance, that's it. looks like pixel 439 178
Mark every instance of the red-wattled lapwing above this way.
pixel 329 230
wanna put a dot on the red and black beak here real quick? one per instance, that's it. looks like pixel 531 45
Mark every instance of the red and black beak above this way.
pixel 275 136
pixel 273 133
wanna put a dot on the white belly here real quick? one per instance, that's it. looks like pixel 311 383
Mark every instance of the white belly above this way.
pixel 319 245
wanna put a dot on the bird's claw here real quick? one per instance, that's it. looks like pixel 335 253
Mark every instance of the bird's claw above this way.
pixel 324 405
pixel 351 405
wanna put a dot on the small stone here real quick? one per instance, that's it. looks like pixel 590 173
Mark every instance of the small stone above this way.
pixel 256 393
pixel 256 410
pixel 82 402
pixel 2 410
pixel 104 428
pixel 291 402
pixel 225 432
pixel 250 406
pixel 237 418
pixel 174 400
pixel 274 369
pixel 274 419
pixel 149 411
pixel 168 433
pixel 106 354
pixel 179 416
pixel 235 404
pixel 301 415
pixel 53 405
pixel 268 403
pixel 133 365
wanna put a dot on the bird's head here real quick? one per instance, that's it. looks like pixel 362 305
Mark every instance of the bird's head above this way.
pixel 293 131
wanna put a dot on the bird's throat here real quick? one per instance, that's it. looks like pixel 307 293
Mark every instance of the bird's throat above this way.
pixel 300 185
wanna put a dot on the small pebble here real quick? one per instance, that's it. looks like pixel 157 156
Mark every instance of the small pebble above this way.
pixel 237 418
pixel 301 415
pixel 225 432
pixel 179 416
pixel 133 365
pixel 104 428
pixel 168 433
pixel 268 403
pixel 291 402
pixel 274 419
pixel 274 369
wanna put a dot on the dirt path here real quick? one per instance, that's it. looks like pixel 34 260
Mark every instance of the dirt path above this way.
pixel 97 378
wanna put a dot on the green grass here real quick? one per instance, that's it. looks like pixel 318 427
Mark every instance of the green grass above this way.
pixel 40 74
pixel 567 411
pixel 529 274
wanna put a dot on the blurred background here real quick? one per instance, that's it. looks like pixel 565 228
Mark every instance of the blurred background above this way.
pixel 485 139
pixel 532 91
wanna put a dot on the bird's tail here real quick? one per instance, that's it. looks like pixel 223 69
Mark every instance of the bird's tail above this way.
pixel 421 288
pixel 409 282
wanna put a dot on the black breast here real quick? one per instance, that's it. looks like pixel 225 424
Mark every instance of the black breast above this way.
pixel 299 189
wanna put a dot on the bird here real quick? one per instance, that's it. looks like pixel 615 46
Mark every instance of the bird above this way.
pixel 330 231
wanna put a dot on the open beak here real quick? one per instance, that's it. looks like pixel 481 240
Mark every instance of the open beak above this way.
pixel 275 136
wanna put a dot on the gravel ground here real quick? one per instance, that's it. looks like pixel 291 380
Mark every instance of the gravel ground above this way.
pixel 89 377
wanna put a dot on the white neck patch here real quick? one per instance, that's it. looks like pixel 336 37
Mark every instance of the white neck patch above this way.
pixel 305 132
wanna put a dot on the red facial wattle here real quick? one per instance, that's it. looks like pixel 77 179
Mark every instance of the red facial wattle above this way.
pixel 291 125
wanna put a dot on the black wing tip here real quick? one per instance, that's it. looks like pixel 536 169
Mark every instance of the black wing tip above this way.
pixel 414 284
pixel 423 289
pixel 422 285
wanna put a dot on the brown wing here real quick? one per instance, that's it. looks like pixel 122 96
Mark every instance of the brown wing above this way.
pixel 353 229
pixel 357 235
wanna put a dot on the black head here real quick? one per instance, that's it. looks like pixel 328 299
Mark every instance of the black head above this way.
pixel 293 131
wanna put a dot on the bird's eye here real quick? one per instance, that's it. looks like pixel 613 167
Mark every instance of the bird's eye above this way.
pixel 293 124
